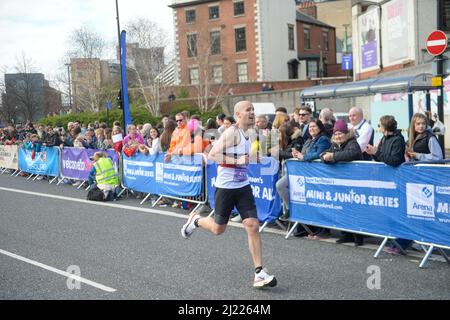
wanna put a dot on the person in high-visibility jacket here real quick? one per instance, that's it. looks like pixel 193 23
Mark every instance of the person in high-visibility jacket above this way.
pixel 104 175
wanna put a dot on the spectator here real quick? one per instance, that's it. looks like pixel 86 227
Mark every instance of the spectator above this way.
pixel 264 87
pixel 171 96
pixel 167 134
pixel 108 136
pixel 271 87
pixel 34 145
pixel 261 123
pixel 219 119
pixel 145 132
pixel 52 138
pixel 117 135
pixel 281 111
pixel 344 148
pixel 228 122
pixel 104 175
pixel 211 132
pixel 327 118
pixel 89 140
pixel 391 149
pixel 133 137
pixel 364 132
pixel 41 132
pixel 153 142
pixel 101 141
pixel 279 120
pixel 164 120
pixel 309 151
pixel 304 114
pixel 422 144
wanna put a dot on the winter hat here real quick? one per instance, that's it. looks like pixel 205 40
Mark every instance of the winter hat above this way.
pixel 340 126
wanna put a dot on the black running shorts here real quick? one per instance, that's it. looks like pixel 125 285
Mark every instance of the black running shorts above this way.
pixel 227 199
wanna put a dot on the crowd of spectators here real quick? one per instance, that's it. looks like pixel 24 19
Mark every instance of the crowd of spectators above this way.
pixel 298 136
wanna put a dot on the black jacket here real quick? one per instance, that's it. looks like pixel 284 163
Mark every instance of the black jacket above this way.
pixel 346 152
pixel 296 142
pixel 391 149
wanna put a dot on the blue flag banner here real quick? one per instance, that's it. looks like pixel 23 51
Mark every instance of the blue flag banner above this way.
pixel 410 202
pixel 182 176
pixel 123 57
pixel 263 178
pixel 45 162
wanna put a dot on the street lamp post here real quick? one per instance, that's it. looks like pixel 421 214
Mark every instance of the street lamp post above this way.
pixel 70 92
pixel 120 62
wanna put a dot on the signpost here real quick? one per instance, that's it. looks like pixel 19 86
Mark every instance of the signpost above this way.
pixel 436 46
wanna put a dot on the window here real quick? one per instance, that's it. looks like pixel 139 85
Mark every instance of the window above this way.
pixel 291 37
pixel 192 45
pixel 215 42
pixel 241 43
pixel 217 74
pixel 193 76
pixel 214 12
pixel 325 41
pixel 242 75
pixel 312 69
pixel 444 14
pixel 239 8
pixel 190 16
pixel 307 39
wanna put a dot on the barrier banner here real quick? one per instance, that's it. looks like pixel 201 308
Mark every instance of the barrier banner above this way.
pixel 45 162
pixel 263 178
pixel 408 202
pixel 8 157
pixel 75 162
pixel 181 177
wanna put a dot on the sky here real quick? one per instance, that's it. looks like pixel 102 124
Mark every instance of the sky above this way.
pixel 40 28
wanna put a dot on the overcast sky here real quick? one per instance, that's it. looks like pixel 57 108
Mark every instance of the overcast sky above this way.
pixel 40 28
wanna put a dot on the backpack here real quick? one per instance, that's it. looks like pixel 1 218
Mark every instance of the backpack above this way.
pixel 95 194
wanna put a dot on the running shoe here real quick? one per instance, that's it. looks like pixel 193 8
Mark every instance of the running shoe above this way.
pixel 189 227
pixel 263 279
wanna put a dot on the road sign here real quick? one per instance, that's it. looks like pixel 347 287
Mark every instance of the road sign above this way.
pixel 347 62
pixel 436 42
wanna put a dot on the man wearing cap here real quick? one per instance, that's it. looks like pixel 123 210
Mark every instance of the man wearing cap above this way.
pixel 104 175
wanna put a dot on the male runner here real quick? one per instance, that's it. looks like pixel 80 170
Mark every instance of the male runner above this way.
pixel 233 189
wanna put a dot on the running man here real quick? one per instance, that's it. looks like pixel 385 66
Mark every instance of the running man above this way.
pixel 233 189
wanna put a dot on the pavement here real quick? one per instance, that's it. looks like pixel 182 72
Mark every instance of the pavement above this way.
pixel 123 250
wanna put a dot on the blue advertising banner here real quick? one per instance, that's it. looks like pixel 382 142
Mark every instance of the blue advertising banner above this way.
pixel 45 162
pixel 410 202
pixel 263 178
pixel 123 57
pixel 182 176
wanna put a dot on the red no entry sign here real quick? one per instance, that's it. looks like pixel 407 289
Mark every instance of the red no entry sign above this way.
pixel 436 42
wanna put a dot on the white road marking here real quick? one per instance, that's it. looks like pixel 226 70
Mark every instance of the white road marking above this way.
pixel 125 207
pixel 63 273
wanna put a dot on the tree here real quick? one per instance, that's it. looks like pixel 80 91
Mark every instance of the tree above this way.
pixel 23 97
pixel 204 48
pixel 86 50
pixel 146 47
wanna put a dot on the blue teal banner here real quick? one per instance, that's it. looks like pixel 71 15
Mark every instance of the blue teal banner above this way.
pixel 410 202
pixel 263 178
pixel 182 176
pixel 123 57
pixel 45 162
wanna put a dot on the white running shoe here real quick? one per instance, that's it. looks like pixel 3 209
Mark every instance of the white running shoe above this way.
pixel 236 218
pixel 189 227
pixel 263 279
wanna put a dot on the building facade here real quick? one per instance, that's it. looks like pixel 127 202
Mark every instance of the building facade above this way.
pixel 30 97
pixel 231 41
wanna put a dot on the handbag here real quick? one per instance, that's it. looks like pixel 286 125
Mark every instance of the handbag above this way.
pixel 95 194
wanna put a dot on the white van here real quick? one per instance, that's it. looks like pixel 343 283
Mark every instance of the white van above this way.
pixel 265 108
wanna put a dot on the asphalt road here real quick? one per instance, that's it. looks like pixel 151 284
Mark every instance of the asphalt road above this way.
pixel 141 255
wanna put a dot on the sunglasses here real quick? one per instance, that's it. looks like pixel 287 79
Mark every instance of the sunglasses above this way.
pixel 179 121
pixel 303 114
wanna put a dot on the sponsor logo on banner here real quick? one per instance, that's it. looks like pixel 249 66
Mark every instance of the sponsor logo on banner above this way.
pixel 420 200
pixel 159 171
pixel 297 192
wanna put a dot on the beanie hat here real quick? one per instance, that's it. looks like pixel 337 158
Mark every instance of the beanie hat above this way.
pixel 340 126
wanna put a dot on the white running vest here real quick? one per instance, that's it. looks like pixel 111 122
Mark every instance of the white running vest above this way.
pixel 234 177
